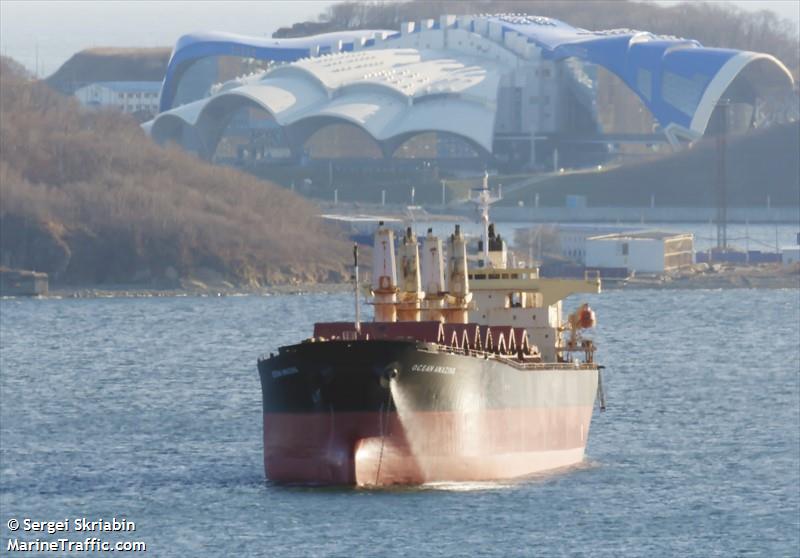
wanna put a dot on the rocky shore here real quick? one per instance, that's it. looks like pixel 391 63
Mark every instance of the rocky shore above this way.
pixel 192 289
pixel 717 276
pixel 699 276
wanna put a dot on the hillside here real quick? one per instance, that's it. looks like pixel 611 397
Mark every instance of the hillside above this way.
pixel 714 24
pixel 760 163
pixel 88 198
pixel 110 64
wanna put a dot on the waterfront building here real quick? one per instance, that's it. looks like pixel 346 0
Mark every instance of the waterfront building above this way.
pixel 641 251
pixel 512 91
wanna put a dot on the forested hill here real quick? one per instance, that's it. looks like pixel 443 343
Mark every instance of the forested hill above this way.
pixel 714 24
pixel 110 64
pixel 760 164
pixel 88 198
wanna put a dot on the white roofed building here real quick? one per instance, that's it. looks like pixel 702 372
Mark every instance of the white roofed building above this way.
pixel 517 90
pixel 641 251
pixel 128 96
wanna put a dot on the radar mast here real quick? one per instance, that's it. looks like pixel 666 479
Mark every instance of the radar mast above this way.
pixel 483 199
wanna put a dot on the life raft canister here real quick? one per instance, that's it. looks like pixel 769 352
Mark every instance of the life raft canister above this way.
pixel 586 317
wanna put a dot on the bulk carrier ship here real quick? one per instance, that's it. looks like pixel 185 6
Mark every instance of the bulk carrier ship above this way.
pixel 465 374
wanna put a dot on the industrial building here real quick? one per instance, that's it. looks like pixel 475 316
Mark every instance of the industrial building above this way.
pixel 572 238
pixel 641 251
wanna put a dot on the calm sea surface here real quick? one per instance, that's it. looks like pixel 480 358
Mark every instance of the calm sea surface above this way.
pixel 150 409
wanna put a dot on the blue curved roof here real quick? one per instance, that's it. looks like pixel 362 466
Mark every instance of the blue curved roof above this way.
pixel 195 46
pixel 640 59
pixel 679 80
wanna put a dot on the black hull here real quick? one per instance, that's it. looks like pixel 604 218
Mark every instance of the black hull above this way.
pixel 339 411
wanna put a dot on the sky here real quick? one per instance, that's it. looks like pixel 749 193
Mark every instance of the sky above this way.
pixel 55 30
pixel 48 32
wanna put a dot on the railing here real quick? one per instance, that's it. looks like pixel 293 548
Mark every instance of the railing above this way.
pixel 504 358
pixel 516 363
pixel 547 365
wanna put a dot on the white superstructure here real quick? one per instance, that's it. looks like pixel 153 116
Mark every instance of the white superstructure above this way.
pixel 490 295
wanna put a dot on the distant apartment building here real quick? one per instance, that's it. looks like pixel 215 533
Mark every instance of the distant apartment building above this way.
pixel 133 97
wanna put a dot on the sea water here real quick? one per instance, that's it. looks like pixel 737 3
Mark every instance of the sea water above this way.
pixel 150 410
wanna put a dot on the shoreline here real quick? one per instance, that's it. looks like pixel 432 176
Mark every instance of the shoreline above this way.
pixel 459 210
pixel 734 278
pixel 721 276
pixel 139 291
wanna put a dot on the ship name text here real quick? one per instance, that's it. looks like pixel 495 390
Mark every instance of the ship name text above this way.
pixel 433 368
pixel 284 372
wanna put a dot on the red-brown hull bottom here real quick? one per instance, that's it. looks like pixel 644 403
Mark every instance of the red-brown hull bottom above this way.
pixel 376 449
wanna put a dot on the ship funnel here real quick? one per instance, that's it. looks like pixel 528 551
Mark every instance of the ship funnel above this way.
pixel 384 275
pixel 457 281
pixel 498 254
pixel 410 283
pixel 432 277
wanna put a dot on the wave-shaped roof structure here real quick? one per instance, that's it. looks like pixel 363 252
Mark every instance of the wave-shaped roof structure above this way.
pixel 481 78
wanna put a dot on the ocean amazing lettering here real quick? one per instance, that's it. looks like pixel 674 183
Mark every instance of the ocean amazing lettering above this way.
pixel 78 525
pixel 436 369
pixel 284 372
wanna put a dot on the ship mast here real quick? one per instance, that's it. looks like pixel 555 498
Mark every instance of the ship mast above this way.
pixel 355 287
pixel 483 200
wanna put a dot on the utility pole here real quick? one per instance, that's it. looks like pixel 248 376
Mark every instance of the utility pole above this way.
pixel 530 247
pixel 722 181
